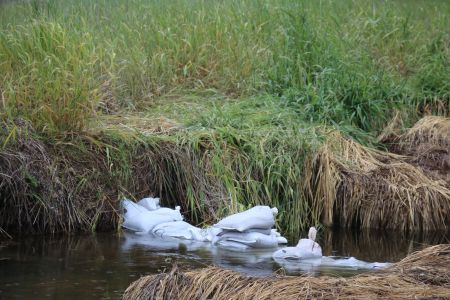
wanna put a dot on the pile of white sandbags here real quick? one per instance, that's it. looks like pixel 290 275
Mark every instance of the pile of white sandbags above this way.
pixel 179 230
pixel 147 216
pixel 249 229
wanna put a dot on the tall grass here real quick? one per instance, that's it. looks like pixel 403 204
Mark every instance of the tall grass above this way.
pixel 48 75
pixel 333 61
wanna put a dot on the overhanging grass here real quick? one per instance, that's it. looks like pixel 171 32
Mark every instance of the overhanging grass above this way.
pixel 246 153
pixel 222 165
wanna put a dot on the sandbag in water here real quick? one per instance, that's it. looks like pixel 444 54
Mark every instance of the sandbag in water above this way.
pixel 168 211
pixel 305 249
pixel 179 229
pixel 250 239
pixel 352 262
pixel 139 219
pixel 281 239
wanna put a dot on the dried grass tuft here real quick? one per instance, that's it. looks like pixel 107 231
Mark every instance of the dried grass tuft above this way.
pixel 352 185
pixel 430 130
pixel 428 145
pixel 422 274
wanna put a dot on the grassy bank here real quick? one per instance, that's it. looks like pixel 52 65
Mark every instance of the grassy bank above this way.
pixel 212 105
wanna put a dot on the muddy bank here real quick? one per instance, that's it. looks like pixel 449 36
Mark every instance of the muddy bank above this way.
pixel 422 274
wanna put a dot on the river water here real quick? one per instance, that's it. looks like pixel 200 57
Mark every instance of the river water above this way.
pixel 101 266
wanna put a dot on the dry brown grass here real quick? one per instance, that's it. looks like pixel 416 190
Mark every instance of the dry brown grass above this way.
pixel 52 188
pixel 430 130
pixel 428 144
pixel 353 185
pixel 424 274
pixel 138 123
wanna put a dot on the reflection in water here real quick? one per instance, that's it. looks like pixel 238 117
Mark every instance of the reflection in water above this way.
pixel 101 266
pixel 386 246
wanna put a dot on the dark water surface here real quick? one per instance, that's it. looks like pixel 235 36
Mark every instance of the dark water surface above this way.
pixel 101 266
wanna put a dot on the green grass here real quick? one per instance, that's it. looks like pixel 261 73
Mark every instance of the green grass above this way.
pixel 252 84
pixel 331 60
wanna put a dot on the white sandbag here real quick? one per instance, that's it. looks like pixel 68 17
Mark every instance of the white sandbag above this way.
pixel 305 249
pixel 326 263
pixel 232 245
pixel 251 239
pixel 139 219
pixel 312 233
pixel 149 203
pixel 210 233
pixel 275 232
pixel 281 240
pixel 266 231
pixel 179 229
pixel 165 211
pixel 309 246
pixel 129 207
pixel 311 265
pixel 351 262
pixel 258 217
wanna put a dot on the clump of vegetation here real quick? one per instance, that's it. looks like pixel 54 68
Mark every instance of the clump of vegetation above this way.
pixel 48 75
pixel 213 105
pixel 356 186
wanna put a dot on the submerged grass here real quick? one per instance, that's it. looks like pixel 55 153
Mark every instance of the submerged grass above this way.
pixel 212 105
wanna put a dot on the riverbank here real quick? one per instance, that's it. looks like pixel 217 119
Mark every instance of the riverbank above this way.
pixel 52 186
pixel 422 274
